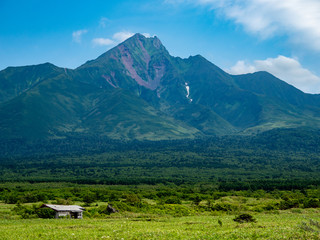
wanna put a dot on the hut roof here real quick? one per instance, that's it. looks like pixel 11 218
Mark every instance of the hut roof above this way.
pixel 64 208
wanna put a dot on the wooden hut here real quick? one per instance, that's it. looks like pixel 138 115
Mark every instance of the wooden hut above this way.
pixel 71 211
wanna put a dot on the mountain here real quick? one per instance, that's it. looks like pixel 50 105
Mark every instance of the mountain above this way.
pixel 137 90
pixel 15 80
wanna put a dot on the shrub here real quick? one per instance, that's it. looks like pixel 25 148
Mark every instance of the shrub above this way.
pixel 225 207
pixel 89 197
pixel 311 203
pixel 288 203
pixel 45 213
pixel 270 207
pixel 27 211
pixel 124 207
pixel 245 217
pixel 132 199
pixel 173 200
pixel 12 198
pixel 61 201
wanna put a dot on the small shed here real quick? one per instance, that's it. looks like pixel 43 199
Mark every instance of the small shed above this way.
pixel 71 211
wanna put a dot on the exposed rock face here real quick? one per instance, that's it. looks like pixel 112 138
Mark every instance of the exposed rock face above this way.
pixel 111 79
pixel 111 209
pixel 157 43
pixel 146 56
pixel 127 61
pixel 147 73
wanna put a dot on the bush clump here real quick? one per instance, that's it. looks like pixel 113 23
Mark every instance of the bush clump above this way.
pixel 244 218
pixel 33 211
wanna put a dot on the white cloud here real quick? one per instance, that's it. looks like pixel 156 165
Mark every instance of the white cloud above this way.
pixel 287 69
pixel 103 22
pixel 147 35
pixel 76 35
pixel 242 67
pixel 102 41
pixel 298 19
pixel 116 38
pixel 122 36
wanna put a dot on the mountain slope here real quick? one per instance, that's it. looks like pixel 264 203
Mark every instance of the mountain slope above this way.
pixel 48 110
pixel 122 115
pixel 214 88
pixel 263 83
pixel 137 90
pixel 61 106
pixel 283 105
pixel 15 80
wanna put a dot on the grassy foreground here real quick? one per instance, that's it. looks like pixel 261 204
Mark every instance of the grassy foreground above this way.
pixel 278 225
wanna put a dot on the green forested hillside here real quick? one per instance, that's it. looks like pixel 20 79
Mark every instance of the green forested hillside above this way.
pixel 16 80
pixel 137 90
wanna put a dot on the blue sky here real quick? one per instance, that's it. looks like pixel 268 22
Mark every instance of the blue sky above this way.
pixel 240 36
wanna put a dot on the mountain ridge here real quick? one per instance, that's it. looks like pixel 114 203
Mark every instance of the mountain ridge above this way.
pixel 137 90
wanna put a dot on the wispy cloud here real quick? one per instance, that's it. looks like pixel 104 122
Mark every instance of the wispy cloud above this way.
pixel 148 35
pixel 103 22
pixel 116 38
pixel 76 35
pixel 102 41
pixel 287 69
pixel 122 36
pixel 298 19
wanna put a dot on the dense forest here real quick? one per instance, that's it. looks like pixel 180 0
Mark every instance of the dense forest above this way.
pixel 278 159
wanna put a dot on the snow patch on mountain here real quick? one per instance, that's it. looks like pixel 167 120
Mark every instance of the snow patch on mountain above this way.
pixel 188 91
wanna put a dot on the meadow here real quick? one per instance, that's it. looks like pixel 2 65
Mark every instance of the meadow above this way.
pixel 159 212
pixel 286 224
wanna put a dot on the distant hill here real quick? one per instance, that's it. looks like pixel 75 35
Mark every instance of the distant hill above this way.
pixel 137 90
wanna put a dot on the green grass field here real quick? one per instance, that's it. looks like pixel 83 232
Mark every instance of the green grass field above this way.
pixel 277 225
pixel 158 212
